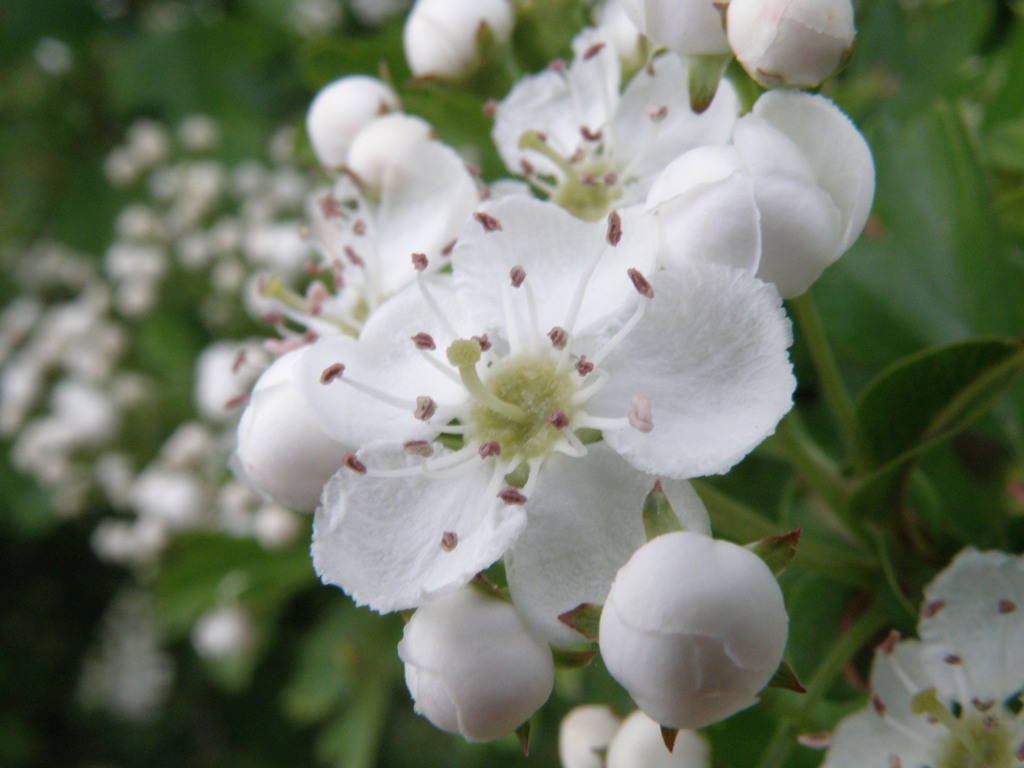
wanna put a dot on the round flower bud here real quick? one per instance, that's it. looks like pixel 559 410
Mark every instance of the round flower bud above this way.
pixel 693 628
pixel 472 667
pixel 639 744
pixel 685 27
pixel 340 110
pixel 584 735
pixel 442 37
pixel 381 143
pixel 796 43
pixel 282 449
pixel 222 632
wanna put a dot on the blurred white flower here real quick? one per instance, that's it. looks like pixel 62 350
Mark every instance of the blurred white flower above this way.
pixel 584 736
pixel 442 37
pixel 340 110
pixel 639 744
pixel 222 633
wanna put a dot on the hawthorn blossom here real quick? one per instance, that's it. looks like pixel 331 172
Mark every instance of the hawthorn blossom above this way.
pixel 451 38
pixel 589 147
pixel 525 405
pixel 952 698
pixel 686 27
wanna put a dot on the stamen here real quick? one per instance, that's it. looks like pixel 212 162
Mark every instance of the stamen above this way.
pixel 332 372
pixel 878 705
pixel 640 283
pixel 614 228
pixel 359 227
pixel 353 257
pixel 489 108
pixel 593 386
pixel 571 445
pixel 517 275
pixel 584 366
pixel 558 419
pixel 424 341
pixel 239 361
pixel 927 703
pixel 349 460
pixel 559 337
pixel 488 222
pixel 449 540
pixel 419 261
pixel 489 449
pixel 512 496
pixel 471 381
pixel 418 448
pixel 933 608
pixel 656 112
pixel 449 247
pixel 610 178
pixel 888 646
pixel 592 51
pixel 483 341
pixel 895 762
pixel 425 408
pixel 1007 606
pixel 621 334
pixel 329 207
pixel 236 401
pixel 590 135
pixel 640 413
pixel 428 297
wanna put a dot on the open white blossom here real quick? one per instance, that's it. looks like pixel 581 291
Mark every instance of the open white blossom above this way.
pixel 547 356
pixel 795 186
pixel 951 699
pixel 589 147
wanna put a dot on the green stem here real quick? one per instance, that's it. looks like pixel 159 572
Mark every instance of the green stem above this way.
pixel 814 465
pixel 831 667
pixel 836 395
pixel 738 522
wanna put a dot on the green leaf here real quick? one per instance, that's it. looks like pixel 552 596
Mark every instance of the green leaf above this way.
pixel 929 397
pixel 776 551
pixel 658 515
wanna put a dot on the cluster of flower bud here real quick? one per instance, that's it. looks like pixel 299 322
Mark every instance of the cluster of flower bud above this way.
pixel 451 39
pixel 592 736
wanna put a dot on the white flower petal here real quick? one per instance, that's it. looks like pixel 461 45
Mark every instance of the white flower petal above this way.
pixel 380 538
pixel 710 354
pixel 585 520
pixel 688 27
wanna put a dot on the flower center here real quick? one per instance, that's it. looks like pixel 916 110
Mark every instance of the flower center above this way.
pixel 989 737
pixel 587 185
pixel 540 395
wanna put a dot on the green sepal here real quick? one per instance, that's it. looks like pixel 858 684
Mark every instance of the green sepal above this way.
pixel 776 551
pixel 523 734
pixel 786 679
pixel 705 74
pixel 668 735
pixel 658 515
pixel 585 618
pixel 566 658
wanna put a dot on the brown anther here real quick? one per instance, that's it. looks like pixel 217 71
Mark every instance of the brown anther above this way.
pixel 239 361
pixel 640 283
pixel 425 408
pixel 483 341
pixel 349 460
pixel 816 740
pixel 489 449
pixel 419 261
pixel 332 372
pixel 512 496
pixel 309 337
pixel 424 341
pixel 329 207
pixel 640 413
pixel 474 170
pixel 526 167
pixel 588 180
pixel 353 257
pixel 895 762
pixel 559 337
pixel 989 722
pixel 558 420
pixel 339 281
pixel 656 112
pixel 1007 606
pixel 610 179
pixel 449 540
pixel 558 65
pixel 584 366
pixel 449 247
pixel 888 646
pixel 272 318
pixel 316 295
pixel 311 268
pixel 953 659
pixel 576 156
pixel 490 107
pixel 592 51
pixel 933 608
pixel 236 401
pixel 418 448
pixel 590 135
pixel 1019 754
pixel 614 228
pixel 517 274
pixel 983 705
pixel 488 222
pixel 878 705
pixel 359 227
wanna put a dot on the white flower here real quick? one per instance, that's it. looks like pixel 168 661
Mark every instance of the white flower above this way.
pixel 687 27
pixel 222 633
pixel 584 735
pixel 442 37
pixel 282 450
pixel 693 628
pixel 539 341
pixel 589 147
pixel 950 699
pixel 639 744
pixel 224 372
pixel 340 110
pixel 795 43
pixel 381 143
pixel 472 667
pixel 795 187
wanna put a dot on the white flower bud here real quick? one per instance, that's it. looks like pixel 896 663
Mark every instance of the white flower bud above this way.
pixel 686 27
pixel 693 628
pixel 282 449
pixel 639 744
pixel 340 110
pixel 584 736
pixel 381 143
pixel 441 36
pixel 472 667
pixel 796 43
pixel 222 633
